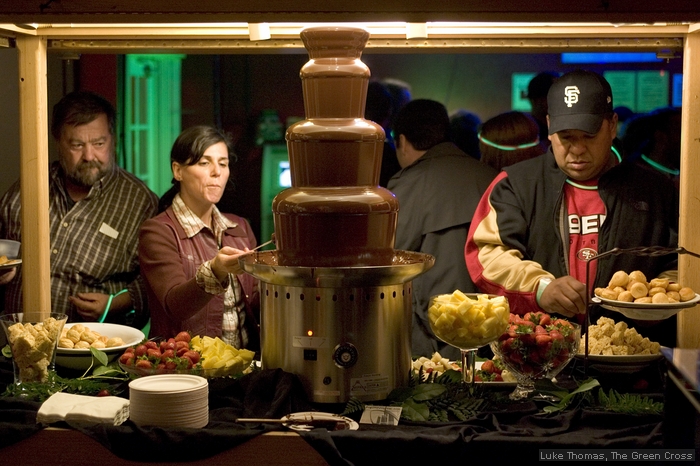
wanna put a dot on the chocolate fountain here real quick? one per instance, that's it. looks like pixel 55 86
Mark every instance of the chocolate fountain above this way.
pixel 335 295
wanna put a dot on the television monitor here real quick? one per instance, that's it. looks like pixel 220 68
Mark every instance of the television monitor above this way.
pixel 275 176
pixel 518 92
pixel 677 90
pixel 603 58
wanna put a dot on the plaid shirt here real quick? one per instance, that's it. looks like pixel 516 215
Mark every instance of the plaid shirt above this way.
pixel 94 242
pixel 233 330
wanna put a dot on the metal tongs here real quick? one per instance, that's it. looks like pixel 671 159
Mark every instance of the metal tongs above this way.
pixel 330 424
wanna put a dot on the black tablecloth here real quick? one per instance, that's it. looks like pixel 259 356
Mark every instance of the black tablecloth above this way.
pixel 518 429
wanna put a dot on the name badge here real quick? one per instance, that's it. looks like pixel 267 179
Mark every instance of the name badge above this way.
pixel 109 231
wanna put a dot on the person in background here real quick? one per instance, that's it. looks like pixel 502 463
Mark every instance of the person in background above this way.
pixel 537 90
pixel 438 189
pixel 541 220
pixel 95 211
pixel 189 253
pixel 653 141
pixel 400 95
pixel 624 116
pixel 464 130
pixel 378 109
pixel 509 138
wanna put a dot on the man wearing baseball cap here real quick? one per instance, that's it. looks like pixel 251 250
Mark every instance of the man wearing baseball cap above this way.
pixel 542 220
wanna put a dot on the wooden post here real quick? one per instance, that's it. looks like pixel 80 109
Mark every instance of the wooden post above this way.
pixel 34 177
pixel 688 266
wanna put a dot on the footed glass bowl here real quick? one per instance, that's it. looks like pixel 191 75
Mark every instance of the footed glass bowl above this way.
pixel 533 352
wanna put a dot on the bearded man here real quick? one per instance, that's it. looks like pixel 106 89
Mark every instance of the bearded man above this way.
pixel 95 211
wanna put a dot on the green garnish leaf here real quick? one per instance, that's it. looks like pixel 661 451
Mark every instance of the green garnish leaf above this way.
pixel 568 398
pixel 427 391
pixel 415 411
pixel 628 403
pixel 101 356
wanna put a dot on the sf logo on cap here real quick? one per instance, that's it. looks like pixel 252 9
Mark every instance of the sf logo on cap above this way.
pixel 571 95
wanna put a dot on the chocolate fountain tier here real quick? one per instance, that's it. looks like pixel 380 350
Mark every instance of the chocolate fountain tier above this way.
pixel 335 227
pixel 318 148
pixel 334 80
pixel 403 267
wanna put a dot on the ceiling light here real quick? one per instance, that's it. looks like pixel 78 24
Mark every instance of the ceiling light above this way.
pixel 416 30
pixel 259 31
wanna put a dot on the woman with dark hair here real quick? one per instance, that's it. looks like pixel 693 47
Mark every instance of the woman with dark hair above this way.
pixel 509 138
pixel 189 253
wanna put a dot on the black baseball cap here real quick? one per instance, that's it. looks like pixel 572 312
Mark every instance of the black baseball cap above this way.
pixel 579 100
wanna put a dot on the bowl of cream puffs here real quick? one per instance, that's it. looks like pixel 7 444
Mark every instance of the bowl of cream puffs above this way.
pixel 77 338
pixel 632 295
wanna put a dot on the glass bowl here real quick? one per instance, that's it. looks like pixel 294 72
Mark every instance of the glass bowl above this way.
pixel 33 338
pixel 536 346
pixel 468 321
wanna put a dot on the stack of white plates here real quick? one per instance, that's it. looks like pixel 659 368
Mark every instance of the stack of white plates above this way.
pixel 169 400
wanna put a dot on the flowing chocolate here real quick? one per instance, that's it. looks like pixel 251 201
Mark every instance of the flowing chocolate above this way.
pixel 335 214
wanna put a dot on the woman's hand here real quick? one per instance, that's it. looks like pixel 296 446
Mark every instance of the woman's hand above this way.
pixel 226 261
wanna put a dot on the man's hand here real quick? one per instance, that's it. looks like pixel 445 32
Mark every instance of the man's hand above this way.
pixel 7 274
pixel 90 305
pixel 565 296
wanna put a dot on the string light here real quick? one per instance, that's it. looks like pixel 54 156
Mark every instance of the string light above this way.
pixel 660 167
pixel 617 154
pixel 504 147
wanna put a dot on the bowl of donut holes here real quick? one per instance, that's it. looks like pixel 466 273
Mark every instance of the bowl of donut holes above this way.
pixel 73 350
pixel 633 296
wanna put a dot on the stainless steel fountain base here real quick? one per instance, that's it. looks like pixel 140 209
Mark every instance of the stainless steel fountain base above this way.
pixel 346 332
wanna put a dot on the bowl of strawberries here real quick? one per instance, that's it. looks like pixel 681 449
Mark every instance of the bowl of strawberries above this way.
pixel 536 346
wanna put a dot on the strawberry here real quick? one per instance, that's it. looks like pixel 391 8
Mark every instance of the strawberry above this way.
pixel 183 336
pixel 167 344
pixel 140 350
pixel 192 356
pixel 127 359
pixel 556 335
pixel 151 344
pixel 144 364
pixel 154 353
pixel 488 366
pixel 542 339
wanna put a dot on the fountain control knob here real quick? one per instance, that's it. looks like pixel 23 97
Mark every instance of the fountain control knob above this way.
pixel 345 355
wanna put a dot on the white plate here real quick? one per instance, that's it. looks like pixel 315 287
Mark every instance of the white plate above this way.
pixel 10 263
pixel 318 416
pixel 168 383
pixel 645 311
pixel 627 364
pixel 72 358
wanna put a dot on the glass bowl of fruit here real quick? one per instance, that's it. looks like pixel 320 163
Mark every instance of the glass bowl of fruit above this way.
pixel 468 322
pixel 536 346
